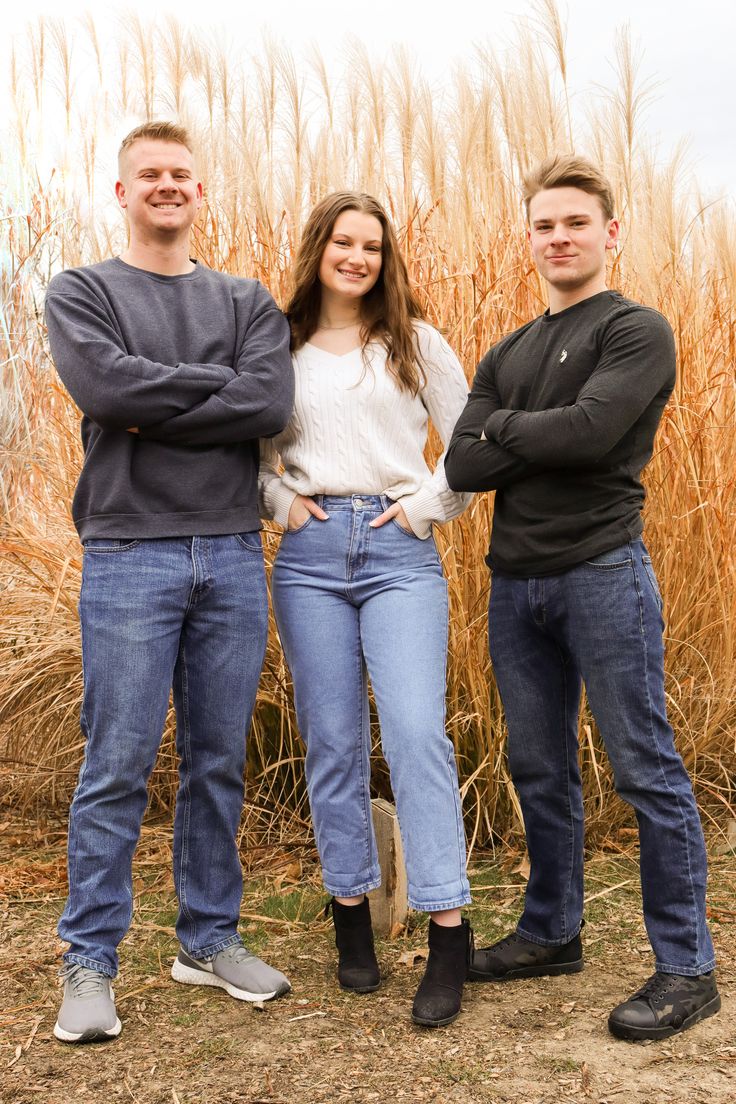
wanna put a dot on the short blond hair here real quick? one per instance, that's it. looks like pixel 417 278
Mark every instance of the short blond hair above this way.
pixel 566 170
pixel 162 131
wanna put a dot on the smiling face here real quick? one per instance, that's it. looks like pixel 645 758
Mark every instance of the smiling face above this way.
pixel 569 237
pixel 158 190
pixel 351 260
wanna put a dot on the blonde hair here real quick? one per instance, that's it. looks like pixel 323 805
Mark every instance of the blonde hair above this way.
pixel 565 170
pixel 162 131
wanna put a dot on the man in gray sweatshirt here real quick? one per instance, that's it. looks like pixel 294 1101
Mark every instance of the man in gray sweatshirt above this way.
pixel 178 370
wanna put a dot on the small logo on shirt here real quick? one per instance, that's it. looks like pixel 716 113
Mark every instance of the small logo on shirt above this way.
pixel 563 356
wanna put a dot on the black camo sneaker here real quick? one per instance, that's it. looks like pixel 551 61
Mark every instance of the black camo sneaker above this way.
pixel 665 1005
pixel 517 957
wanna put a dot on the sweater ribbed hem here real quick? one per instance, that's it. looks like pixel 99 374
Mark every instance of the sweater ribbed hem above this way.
pixel 207 523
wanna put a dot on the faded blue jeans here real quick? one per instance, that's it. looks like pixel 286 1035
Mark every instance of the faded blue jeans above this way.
pixel 352 602
pixel 191 612
pixel 599 623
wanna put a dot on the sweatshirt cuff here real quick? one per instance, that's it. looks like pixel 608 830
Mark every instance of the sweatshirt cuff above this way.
pixel 278 499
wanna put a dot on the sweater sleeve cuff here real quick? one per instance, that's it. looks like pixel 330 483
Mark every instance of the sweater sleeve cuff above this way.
pixel 277 500
pixel 421 509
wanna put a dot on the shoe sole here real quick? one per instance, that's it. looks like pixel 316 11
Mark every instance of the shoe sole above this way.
pixel 94 1035
pixel 435 1023
pixel 186 975
pixel 360 988
pixel 622 1031
pixel 552 970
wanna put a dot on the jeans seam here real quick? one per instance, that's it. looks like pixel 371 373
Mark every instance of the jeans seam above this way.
pixel 352 890
pixel 683 971
pixel 186 761
pixel 462 859
pixel 695 912
pixel 84 725
pixel 204 953
pixel 349 554
pixel 458 901
pixel 545 942
pixel 193 588
pixel 364 783
pixel 571 831
pixel 90 964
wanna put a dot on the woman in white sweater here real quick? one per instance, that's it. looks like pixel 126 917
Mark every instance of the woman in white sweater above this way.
pixel 358 588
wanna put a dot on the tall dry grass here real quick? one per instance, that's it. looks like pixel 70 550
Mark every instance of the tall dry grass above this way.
pixel 274 135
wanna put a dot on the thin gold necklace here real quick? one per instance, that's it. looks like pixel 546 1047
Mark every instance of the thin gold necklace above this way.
pixel 350 326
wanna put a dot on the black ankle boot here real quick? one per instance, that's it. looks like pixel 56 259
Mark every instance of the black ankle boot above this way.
pixel 357 967
pixel 440 993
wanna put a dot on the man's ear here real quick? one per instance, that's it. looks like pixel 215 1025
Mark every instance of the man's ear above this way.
pixel 120 193
pixel 613 234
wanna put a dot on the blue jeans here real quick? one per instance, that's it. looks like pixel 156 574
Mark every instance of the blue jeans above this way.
pixel 599 623
pixel 191 612
pixel 350 601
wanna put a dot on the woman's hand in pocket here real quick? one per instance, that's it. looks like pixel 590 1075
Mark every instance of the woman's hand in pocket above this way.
pixel 395 512
pixel 300 510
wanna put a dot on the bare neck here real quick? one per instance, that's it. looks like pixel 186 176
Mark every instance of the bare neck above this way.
pixel 338 312
pixel 562 298
pixel 162 257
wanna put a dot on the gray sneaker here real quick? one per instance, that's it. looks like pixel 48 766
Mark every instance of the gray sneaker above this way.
pixel 87 1012
pixel 235 970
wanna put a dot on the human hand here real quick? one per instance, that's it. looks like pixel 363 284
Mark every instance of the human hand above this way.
pixel 300 510
pixel 395 511
pixel 133 429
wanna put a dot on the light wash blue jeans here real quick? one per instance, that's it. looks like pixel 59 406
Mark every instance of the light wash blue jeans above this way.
pixel 599 623
pixel 352 601
pixel 192 612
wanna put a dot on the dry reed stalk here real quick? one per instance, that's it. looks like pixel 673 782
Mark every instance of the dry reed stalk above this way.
pixel 273 137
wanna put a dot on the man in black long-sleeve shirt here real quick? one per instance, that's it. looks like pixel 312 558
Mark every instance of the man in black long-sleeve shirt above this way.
pixel 560 422
pixel 178 371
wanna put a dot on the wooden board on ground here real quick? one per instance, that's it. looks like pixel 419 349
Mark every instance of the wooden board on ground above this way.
pixel 389 902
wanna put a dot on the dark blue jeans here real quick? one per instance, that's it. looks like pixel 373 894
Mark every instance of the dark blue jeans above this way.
pixel 599 623
pixel 192 613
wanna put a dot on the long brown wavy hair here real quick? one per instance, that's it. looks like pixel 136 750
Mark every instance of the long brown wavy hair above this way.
pixel 387 310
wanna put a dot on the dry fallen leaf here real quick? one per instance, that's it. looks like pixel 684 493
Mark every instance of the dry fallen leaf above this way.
pixel 523 869
pixel 410 958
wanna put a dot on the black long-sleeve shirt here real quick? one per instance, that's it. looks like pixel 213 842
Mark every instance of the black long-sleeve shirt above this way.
pixel 569 404
pixel 200 364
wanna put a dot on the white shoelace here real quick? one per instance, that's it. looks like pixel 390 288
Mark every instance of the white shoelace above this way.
pixel 84 982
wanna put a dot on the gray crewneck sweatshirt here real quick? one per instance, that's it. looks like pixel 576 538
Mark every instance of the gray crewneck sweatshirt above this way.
pixel 198 363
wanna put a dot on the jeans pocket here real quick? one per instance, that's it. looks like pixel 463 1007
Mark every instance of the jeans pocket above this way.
pixel 109 544
pixel 250 541
pixel 649 572
pixel 614 558
pixel 406 532
pixel 302 527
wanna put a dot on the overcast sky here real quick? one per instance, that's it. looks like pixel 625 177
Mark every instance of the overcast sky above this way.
pixel 687 47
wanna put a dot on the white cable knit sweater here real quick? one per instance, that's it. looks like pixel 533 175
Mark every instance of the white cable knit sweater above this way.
pixel 354 431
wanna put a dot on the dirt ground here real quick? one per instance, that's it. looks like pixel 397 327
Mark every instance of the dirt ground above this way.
pixel 526 1042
